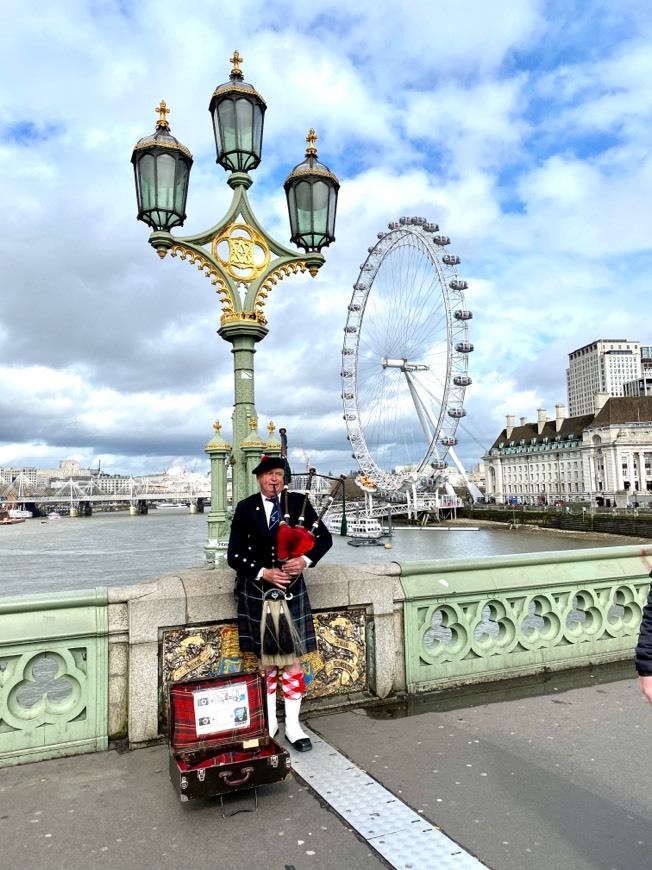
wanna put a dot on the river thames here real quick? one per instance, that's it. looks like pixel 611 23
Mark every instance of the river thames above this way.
pixel 115 549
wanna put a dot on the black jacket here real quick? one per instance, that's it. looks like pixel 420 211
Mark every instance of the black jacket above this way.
pixel 643 660
pixel 251 547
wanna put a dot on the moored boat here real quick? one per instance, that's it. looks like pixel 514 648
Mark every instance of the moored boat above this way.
pixel 358 526
pixel 19 514
pixel 6 520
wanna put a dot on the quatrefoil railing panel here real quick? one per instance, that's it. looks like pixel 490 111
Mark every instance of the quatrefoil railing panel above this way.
pixel 508 616
pixel 53 676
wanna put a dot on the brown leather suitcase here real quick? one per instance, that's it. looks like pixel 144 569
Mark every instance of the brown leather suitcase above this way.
pixel 218 737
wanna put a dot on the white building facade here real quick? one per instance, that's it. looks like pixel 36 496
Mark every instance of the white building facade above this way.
pixel 604 458
pixel 603 366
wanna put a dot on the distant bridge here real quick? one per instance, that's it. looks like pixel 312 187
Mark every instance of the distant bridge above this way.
pixel 137 494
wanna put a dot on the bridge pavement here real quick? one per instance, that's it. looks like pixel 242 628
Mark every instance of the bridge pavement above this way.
pixel 554 773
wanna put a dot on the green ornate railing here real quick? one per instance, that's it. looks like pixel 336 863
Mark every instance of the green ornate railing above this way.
pixel 489 619
pixel 77 667
pixel 53 675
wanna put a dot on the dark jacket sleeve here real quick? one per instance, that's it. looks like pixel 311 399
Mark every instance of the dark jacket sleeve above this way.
pixel 244 551
pixel 643 659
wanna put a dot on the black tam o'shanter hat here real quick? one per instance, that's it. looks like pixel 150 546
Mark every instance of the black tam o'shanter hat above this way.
pixel 268 462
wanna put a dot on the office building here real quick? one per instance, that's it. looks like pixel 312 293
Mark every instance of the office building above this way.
pixel 603 366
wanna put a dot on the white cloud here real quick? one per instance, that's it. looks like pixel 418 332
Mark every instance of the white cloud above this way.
pixel 523 129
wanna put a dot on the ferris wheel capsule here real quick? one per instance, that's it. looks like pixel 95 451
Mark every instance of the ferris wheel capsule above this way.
pixel 457 284
pixel 451 259
pixel 464 347
pixel 441 240
pixel 462 315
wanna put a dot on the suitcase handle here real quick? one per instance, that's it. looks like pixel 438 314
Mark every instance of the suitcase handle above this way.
pixel 226 774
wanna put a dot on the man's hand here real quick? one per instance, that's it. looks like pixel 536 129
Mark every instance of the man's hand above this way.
pixel 645 685
pixel 294 566
pixel 276 577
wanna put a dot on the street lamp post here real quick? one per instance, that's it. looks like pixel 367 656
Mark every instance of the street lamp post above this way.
pixel 238 256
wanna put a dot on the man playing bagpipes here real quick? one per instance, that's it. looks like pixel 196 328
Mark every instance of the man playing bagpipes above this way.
pixel 275 536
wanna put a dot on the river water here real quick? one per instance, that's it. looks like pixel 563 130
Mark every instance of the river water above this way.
pixel 114 549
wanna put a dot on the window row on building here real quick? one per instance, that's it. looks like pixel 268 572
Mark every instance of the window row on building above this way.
pixel 598 457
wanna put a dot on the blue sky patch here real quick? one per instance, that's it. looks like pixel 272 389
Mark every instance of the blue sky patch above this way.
pixel 26 133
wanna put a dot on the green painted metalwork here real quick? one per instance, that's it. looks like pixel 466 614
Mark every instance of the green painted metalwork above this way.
pixel 478 620
pixel 53 675
pixel 242 324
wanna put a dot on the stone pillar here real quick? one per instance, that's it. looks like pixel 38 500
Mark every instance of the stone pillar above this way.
pixel 218 519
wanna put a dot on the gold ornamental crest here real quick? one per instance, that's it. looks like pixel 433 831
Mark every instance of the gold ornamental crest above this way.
pixel 241 251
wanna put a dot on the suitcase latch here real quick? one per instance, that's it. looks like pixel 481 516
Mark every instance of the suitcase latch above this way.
pixel 184 782
pixel 274 760
pixel 201 774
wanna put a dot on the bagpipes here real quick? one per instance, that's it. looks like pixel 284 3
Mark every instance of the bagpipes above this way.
pixel 281 644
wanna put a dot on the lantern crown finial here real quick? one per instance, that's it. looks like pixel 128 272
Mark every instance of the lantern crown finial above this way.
pixel 236 60
pixel 162 110
pixel 311 138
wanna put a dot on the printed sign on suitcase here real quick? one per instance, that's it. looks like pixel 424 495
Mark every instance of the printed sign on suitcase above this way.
pixel 219 740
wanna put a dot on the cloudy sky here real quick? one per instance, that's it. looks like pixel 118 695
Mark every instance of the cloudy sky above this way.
pixel 521 127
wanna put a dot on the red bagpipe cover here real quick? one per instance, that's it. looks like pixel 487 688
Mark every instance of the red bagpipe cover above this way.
pixel 293 542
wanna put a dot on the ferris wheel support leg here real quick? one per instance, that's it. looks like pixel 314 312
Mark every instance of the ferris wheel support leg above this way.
pixel 418 404
pixel 474 492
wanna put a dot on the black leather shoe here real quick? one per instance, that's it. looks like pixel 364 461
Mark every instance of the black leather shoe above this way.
pixel 301 745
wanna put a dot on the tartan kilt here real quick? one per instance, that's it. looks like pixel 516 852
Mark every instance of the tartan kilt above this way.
pixel 250 612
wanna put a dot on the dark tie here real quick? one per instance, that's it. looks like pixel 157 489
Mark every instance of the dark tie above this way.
pixel 275 515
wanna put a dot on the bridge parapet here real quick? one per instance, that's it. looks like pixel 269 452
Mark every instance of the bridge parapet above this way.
pixel 382 630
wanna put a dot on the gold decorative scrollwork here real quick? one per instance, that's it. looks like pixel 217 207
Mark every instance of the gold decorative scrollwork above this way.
pixel 242 252
pixel 211 272
pixel 246 316
pixel 273 278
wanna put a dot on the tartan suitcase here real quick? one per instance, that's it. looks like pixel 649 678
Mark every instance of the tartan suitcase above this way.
pixel 218 737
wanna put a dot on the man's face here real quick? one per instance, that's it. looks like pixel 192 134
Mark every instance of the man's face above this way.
pixel 271 482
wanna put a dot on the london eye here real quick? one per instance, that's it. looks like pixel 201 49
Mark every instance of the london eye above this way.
pixel 405 356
